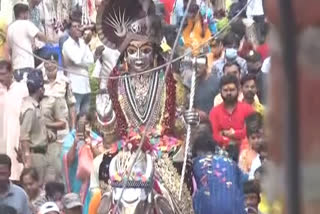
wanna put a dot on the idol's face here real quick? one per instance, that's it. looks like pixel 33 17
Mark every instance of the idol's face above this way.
pixel 139 56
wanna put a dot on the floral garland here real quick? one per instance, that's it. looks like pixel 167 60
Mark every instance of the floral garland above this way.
pixel 170 105
pixel 169 112
pixel 154 143
pixel 121 124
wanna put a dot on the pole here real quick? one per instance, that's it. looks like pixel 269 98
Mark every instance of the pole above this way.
pixel 188 138
pixel 291 147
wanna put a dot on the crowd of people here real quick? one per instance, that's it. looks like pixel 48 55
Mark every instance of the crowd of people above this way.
pixel 55 152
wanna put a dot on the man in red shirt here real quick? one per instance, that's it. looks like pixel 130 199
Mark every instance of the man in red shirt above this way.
pixel 228 118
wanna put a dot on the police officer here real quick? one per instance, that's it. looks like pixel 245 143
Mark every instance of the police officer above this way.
pixel 33 132
pixel 54 107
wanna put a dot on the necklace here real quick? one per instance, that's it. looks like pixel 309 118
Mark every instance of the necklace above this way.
pixel 163 114
pixel 141 93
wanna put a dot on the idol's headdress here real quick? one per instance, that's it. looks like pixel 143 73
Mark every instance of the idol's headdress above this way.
pixel 121 21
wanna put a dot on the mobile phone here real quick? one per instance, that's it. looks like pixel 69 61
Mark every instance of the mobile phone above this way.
pixel 81 130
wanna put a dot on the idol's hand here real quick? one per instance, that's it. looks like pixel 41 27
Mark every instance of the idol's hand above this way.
pixel 104 107
pixel 191 117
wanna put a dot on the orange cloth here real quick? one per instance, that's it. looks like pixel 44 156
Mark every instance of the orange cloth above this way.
pixel 95 202
pixel 192 35
pixel 246 158
pixel 211 59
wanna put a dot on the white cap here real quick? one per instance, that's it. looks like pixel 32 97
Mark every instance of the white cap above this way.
pixel 25 2
pixel 49 207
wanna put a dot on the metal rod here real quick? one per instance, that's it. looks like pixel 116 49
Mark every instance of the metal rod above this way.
pixel 291 147
pixel 188 138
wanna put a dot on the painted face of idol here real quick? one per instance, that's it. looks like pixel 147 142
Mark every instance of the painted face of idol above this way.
pixel 139 56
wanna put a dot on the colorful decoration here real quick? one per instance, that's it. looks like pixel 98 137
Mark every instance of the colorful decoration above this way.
pixel 155 142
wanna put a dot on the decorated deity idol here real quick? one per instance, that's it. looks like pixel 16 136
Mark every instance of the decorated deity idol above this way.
pixel 137 103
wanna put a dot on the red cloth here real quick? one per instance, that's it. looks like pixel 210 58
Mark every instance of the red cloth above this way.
pixel 263 50
pixel 168 5
pixel 245 49
pixel 222 120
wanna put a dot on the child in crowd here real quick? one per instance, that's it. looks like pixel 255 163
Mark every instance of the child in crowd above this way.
pixel 249 159
pixel 251 191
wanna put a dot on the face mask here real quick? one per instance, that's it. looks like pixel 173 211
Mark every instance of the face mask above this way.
pixel 231 53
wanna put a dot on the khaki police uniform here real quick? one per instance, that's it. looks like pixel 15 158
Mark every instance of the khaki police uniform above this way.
pixel 54 107
pixel 61 90
pixel 33 129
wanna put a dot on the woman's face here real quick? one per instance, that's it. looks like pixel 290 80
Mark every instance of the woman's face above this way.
pixel 31 186
pixel 51 69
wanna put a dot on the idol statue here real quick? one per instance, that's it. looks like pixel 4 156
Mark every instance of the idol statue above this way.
pixel 138 102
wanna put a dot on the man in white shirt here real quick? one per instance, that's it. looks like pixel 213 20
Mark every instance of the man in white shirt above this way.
pixel 21 35
pixel 266 66
pixel 11 96
pixel 255 11
pixel 255 8
pixel 77 58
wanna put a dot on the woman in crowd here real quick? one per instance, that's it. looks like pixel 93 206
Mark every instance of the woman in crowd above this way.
pixel 77 153
pixel 200 26
pixel 30 182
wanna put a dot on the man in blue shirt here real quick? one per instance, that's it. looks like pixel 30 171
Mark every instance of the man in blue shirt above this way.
pixel 11 194
pixel 231 44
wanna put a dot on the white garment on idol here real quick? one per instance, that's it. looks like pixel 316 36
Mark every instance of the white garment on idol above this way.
pixel 104 67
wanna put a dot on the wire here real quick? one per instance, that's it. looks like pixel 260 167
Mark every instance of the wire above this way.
pixel 150 70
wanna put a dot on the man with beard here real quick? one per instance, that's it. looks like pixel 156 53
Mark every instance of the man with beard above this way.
pixel 249 90
pixel 231 68
pixel 227 119
pixel 33 133
pixel 254 61
pixel 11 194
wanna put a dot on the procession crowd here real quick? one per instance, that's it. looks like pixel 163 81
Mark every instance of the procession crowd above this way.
pixel 52 150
